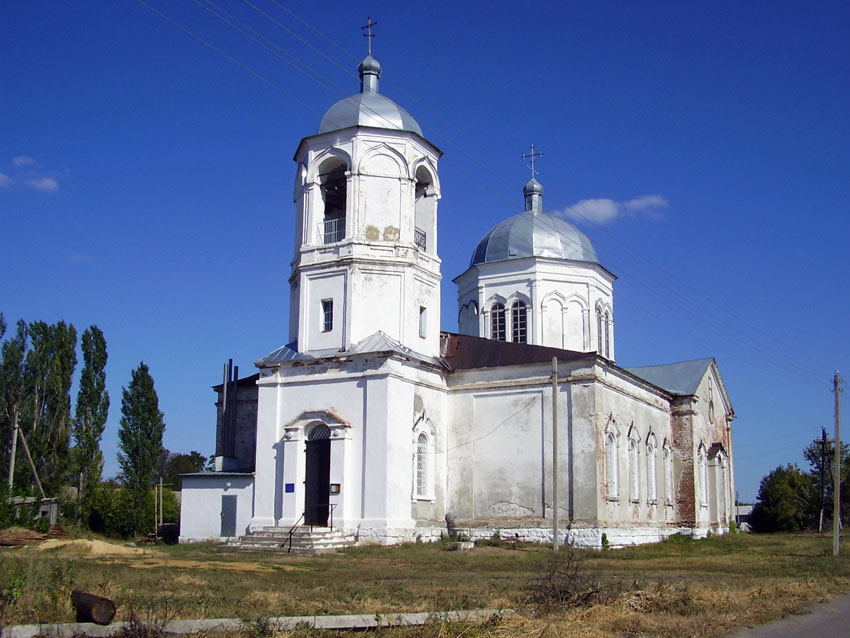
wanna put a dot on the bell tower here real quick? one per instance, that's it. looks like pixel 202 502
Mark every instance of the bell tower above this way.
pixel 366 192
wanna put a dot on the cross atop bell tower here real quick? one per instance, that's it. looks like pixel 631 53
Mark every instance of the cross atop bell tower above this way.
pixel 368 27
pixel 532 155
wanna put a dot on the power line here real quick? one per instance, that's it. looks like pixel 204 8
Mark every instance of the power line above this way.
pixel 243 66
pixel 719 327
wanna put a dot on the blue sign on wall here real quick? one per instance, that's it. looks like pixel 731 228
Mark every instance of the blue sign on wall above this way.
pixel 289 488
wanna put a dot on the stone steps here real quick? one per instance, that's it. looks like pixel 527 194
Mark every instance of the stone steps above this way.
pixel 304 540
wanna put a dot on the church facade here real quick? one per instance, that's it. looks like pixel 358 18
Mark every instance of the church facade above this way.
pixel 373 422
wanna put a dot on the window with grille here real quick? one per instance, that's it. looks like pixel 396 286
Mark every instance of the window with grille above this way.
pixel 668 476
pixel 320 432
pixel 519 321
pixel 497 322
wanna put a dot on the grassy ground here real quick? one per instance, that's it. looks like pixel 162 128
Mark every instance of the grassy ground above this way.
pixel 678 588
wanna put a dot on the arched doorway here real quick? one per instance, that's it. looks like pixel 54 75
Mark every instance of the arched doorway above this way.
pixel 318 476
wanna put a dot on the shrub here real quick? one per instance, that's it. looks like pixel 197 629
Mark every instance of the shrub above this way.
pixel 564 581
pixel 109 512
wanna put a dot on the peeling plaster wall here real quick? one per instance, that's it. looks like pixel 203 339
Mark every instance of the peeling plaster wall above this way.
pixel 630 412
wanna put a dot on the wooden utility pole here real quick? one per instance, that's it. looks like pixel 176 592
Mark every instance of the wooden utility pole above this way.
pixel 555 539
pixel 836 492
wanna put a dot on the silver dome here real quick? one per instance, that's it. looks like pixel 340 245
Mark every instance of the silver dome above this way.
pixel 534 234
pixel 368 108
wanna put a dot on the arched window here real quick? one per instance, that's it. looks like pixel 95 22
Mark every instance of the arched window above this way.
pixel 518 322
pixel 320 432
pixel 702 470
pixel 651 476
pixel 422 469
pixel 611 465
pixel 607 321
pixel 333 190
pixel 599 331
pixel 668 475
pixel 424 211
pixel 497 322
pixel 634 471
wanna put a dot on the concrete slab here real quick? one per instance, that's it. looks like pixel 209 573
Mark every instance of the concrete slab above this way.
pixel 186 627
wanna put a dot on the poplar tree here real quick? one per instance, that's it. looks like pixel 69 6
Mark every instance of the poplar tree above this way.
pixel 12 357
pixel 139 440
pixel 46 409
pixel 91 412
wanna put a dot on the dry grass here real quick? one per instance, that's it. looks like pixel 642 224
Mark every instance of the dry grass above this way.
pixel 681 588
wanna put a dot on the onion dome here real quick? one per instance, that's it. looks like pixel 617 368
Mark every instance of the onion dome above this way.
pixel 534 233
pixel 368 108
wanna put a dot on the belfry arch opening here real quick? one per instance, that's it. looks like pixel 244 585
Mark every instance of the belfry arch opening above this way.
pixel 425 212
pixel 334 197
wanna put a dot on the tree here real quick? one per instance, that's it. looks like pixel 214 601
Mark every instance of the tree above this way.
pixel 12 360
pixel 139 440
pixel 821 459
pixel 46 412
pixel 91 412
pixel 172 465
pixel 36 367
pixel 785 500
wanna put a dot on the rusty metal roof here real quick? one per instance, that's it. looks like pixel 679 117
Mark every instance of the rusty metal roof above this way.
pixel 464 352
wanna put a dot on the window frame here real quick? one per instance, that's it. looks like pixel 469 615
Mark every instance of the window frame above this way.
pixel 327 324
pixel 611 467
pixel 519 322
pixel 498 323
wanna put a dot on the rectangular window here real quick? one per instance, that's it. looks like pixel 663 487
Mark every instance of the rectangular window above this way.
pixel 422 320
pixel 327 315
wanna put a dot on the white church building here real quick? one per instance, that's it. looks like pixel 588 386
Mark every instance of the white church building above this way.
pixel 375 424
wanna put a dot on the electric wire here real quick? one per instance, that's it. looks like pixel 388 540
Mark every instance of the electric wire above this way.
pixel 701 317
pixel 243 66
pixel 332 86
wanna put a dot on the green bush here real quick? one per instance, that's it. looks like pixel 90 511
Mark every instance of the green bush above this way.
pixel 109 511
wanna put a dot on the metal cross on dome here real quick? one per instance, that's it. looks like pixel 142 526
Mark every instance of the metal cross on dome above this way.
pixel 368 26
pixel 532 155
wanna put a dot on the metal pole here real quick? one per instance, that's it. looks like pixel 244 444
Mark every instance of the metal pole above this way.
pixel 160 502
pixel 836 492
pixel 14 449
pixel 555 539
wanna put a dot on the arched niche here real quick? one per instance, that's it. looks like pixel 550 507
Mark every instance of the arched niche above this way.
pixel 425 210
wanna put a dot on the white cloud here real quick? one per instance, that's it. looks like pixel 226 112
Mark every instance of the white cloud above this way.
pixel 79 258
pixel 23 160
pixel 606 211
pixel 6 181
pixel 44 184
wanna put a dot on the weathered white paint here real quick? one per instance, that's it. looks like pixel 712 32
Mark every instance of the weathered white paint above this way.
pixel 200 507
pixel 489 429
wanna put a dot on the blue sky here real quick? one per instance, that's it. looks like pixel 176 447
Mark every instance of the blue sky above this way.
pixel 146 179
